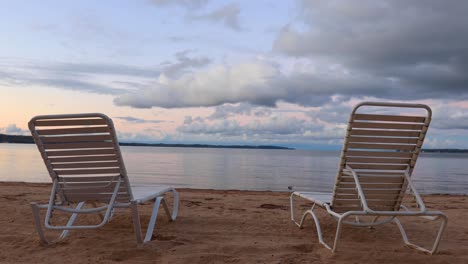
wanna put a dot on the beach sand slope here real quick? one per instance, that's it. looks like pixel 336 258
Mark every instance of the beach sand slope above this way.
pixel 225 227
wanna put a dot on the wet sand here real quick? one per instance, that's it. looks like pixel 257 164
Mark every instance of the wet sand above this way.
pixel 225 227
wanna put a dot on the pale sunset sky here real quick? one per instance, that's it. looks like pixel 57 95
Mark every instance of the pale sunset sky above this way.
pixel 250 72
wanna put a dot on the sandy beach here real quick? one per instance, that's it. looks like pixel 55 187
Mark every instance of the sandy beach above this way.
pixel 225 227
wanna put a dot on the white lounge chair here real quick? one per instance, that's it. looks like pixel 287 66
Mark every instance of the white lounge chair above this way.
pixel 83 158
pixel 378 157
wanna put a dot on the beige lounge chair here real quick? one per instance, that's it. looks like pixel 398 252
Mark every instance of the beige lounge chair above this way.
pixel 377 160
pixel 83 158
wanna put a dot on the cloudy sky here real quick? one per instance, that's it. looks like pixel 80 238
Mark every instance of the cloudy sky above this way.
pixel 234 72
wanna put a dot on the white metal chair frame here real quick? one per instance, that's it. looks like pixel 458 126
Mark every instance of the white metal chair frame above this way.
pixel 108 209
pixel 390 216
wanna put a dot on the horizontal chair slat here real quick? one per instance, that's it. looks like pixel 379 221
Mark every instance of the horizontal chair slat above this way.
pixel 86 165
pixel 342 208
pixel 90 172
pixel 90 152
pixel 383 133
pixel 79 145
pixel 381 191
pixel 370 202
pixel 88 179
pixel 380 146
pixel 72 185
pixel 358 153
pixel 96 190
pixel 392 118
pixel 358 208
pixel 384 185
pixel 383 140
pixel 384 206
pixel 369 191
pixel 378 125
pixel 83 158
pixel 71 122
pixel 359 166
pixel 368 196
pixel 95 197
pixel 71 131
pixel 370 179
pixel 339 202
pixel 377 175
pixel 377 160
pixel 397 174
pixel 64 139
pixel 381 208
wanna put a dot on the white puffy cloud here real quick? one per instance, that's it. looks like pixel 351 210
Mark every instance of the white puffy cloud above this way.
pixel 278 126
pixel 12 129
pixel 144 136
pixel 447 116
pixel 228 110
pixel 214 86
pixel 308 126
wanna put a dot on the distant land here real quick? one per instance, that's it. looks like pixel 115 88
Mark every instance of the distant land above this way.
pixel 29 140
pixel 445 150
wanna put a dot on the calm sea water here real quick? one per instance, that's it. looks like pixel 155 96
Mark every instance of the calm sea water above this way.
pixel 243 169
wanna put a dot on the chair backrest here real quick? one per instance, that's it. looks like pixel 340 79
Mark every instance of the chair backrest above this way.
pixel 82 153
pixel 380 148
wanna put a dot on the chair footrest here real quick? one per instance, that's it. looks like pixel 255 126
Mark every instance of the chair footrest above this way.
pixel 318 198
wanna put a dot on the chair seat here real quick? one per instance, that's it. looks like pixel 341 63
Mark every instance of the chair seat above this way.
pixel 319 198
pixel 144 193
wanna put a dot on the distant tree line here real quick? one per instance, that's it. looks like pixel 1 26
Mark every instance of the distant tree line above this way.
pixel 29 140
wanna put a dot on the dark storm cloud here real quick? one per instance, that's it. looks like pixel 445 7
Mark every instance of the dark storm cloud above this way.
pixel 139 120
pixel 189 4
pixel 183 64
pixel 228 15
pixel 419 46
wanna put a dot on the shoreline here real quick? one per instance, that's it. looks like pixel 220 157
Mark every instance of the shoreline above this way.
pixel 215 190
pixel 225 226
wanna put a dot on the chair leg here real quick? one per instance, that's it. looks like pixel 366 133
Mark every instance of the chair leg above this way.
pixel 101 215
pixel 435 246
pixel 136 222
pixel 71 221
pixel 291 206
pixel 171 217
pixel 154 215
pixel 175 206
pixel 291 202
pixel 339 227
pixel 317 226
pixel 40 230
pixel 37 223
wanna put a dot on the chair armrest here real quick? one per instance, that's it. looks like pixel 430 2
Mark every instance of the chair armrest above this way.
pixel 415 192
pixel 361 194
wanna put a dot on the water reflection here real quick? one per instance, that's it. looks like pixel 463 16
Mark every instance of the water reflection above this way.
pixel 239 168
